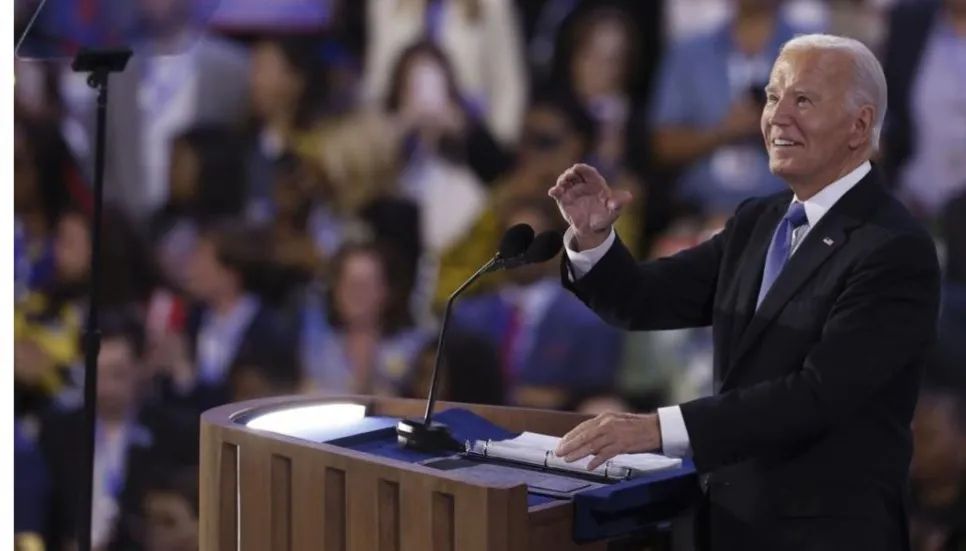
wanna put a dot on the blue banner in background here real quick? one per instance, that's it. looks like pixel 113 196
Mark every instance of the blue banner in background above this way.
pixel 272 14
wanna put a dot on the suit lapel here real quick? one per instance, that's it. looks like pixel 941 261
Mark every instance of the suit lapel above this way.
pixel 752 261
pixel 821 242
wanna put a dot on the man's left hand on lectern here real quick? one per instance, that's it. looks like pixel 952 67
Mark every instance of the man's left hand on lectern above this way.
pixel 609 435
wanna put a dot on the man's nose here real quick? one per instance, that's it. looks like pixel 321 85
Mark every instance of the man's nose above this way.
pixel 779 114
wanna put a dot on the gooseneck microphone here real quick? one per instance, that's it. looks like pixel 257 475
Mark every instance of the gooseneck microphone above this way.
pixel 544 247
pixel 423 434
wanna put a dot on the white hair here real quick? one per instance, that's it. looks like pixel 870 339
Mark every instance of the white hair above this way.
pixel 869 86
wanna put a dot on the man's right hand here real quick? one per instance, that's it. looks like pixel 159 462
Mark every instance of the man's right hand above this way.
pixel 588 204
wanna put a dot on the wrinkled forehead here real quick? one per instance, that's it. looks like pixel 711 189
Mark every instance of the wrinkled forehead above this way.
pixel 812 68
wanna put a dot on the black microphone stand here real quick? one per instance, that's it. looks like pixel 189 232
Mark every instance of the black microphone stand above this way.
pixel 100 63
pixel 423 434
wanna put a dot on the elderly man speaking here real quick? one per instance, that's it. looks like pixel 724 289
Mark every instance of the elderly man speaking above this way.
pixel 824 301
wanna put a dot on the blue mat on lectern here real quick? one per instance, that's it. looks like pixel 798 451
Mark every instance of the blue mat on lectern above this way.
pixel 603 512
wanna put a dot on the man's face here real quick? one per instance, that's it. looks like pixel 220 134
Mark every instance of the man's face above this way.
pixel 806 122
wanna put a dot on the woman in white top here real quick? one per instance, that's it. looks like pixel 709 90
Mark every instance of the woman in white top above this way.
pixel 482 39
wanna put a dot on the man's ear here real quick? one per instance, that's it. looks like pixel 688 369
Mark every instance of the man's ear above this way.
pixel 862 128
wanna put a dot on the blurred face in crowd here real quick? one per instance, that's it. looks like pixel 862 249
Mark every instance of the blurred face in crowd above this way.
pixel 425 86
pixel 171 523
pixel 292 192
pixel 207 276
pixel 276 85
pixel 72 248
pixel 361 291
pixel 810 133
pixel 548 145
pixel 600 60
pixel 184 172
pixel 116 377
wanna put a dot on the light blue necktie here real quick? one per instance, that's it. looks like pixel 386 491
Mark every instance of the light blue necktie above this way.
pixel 781 247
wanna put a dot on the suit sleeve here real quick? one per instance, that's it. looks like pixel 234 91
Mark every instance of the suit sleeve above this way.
pixel 882 324
pixel 669 293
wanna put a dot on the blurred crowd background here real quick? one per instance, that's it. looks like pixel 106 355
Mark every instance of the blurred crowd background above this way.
pixel 291 200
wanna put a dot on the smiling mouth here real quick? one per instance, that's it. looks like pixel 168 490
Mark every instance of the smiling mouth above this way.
pixel 784 143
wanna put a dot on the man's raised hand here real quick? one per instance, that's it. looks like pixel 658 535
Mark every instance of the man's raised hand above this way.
pixel 588 204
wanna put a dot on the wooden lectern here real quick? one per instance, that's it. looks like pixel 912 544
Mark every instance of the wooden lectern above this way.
pixel 262 491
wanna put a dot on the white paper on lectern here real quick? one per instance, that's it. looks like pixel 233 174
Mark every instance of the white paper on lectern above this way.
pixel 537 449
pixel 642 462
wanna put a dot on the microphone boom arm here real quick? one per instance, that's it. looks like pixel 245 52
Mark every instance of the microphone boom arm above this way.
pixel 434 380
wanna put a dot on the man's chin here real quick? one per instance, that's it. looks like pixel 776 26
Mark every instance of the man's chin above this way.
pixel 784 169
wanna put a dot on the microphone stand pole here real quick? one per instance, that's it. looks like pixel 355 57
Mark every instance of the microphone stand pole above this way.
pixel 423 434
pixel 434 381
pixel 100 63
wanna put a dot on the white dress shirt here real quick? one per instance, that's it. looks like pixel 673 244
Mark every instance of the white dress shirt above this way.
pixel 674 433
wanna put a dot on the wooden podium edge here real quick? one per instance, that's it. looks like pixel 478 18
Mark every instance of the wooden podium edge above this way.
pixel 302 489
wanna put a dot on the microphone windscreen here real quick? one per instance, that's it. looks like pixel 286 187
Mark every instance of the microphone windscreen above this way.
pixel 516 241
pixel 544 247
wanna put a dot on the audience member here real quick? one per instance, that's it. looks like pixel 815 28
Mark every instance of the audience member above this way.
pixel 288 96
pixel 170 507
pixel 207 181
pixel 352 164
pixel 232 316
pixel 481 37
pixel 601 74
pixel 133 438
pixel 938 471
pixel 47 324
pixel 926 134
pixel 557 133
pixel 365 342
pixel 426 104
pixel 37 205
pixel 707 107
pixel 156 98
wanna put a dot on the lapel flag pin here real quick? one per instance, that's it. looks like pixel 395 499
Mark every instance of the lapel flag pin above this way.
pixel 828 241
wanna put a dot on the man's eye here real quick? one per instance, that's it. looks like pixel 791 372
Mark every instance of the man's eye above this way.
pixel 802 100
pixel 772 98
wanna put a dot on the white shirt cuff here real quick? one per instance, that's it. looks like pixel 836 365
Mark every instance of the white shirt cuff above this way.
pixel 674 434
pixel 583 262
